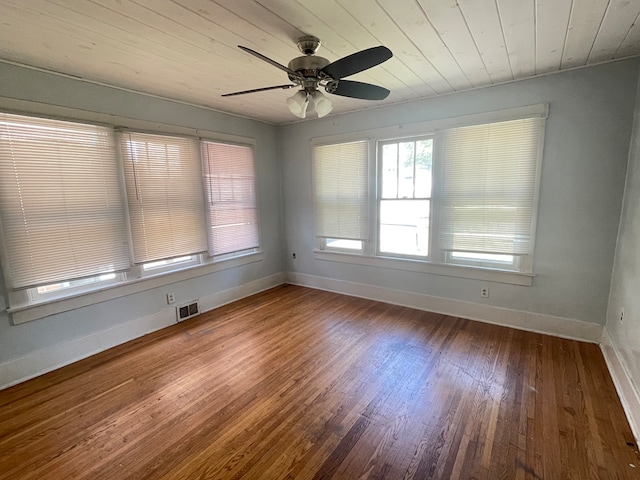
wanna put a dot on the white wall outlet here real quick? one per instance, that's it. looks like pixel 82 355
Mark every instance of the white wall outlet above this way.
pixel 171 298
pixel 622 314
pixel 484 292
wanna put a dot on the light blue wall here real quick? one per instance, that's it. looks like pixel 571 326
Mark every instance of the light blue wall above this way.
pixel 583 176
pixel 583 173
pixel 625 283
pixel 20 83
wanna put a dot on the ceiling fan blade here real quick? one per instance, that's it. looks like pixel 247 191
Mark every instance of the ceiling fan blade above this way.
pixel 365 91
pixel 268 60
pixel 357 62
pixel 289 85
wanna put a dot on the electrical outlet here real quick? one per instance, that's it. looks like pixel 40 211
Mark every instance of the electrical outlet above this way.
pixel 484 292
pixel 622 314
pixel 171 298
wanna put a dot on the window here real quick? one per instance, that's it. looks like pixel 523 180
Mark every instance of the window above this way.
pixel 60 204
pixel 405 197
pixel 488 191
pixel 341 207
pixel 231 198
pixel 83 207
pixel 461 195
pixel 164 196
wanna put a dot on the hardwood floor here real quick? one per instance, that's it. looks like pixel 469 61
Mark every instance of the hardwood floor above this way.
pixel 304 384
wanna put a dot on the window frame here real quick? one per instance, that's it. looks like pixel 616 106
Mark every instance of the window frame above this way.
pixel 439 261
pixel 27 304
pixel 379 198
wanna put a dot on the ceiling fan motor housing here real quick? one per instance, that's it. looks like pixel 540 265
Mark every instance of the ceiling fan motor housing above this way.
pixel 308 66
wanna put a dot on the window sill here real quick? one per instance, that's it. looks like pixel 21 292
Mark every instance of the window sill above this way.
pixel 475 273
pixel 33 311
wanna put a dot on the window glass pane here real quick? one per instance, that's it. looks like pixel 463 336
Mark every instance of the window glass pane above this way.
pixel 484 257
pixel 404 227
pixel 390 171
pixel 73 286
pixel 424 153
pixel 169 262
pixel 343 244
pixel 405 169
pixel 487 260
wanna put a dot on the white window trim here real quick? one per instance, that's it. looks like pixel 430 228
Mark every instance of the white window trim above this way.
pixel 423 266
pixel 21 313
pixel 23 309
pixel 436 264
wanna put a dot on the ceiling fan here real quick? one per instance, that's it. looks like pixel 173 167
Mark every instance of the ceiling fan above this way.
pixel 311 72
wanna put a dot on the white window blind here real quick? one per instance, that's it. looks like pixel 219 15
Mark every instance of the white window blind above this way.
pixel 164 194
pixel 488 186
pixel 231 197
pixel 62 213
pixel 340 178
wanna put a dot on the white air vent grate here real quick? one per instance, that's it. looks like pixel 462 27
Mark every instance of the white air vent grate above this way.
pixel 187 311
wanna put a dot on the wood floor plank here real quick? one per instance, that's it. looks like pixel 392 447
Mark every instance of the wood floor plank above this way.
pixel 295 383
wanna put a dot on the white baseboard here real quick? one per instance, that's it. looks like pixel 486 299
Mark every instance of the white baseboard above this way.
pixel 629 396
pixel 55 356
pixel 533 322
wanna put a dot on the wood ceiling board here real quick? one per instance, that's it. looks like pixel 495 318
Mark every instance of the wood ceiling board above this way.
pixel 631 43
pixel 418 28
pixel 584 24
pixel 264 19
pixel 79 53
pixel 483 21
pixel 186 50
pixel 116 58
pixel 618 19
pixel 421 76
pixel 552 22
pixel 136 35
pixel 517 18
pixel 232 29
pixel 341 20
pixel 446 17
pixel 218 33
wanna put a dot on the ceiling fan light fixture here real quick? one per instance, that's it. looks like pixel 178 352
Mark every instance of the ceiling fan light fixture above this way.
pixel 322 104
pixel 311 71
pixel 298 104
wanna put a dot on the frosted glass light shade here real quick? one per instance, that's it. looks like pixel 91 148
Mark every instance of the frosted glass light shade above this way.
pixel 322 104
pixel 298 104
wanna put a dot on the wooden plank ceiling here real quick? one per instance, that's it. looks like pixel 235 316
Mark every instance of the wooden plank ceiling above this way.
pixel 187 49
